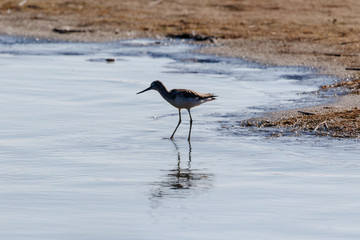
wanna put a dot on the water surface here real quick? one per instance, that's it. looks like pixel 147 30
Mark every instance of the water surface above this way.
pixel 83 157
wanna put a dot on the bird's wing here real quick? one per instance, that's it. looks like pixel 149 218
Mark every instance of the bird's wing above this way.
pixel 192 94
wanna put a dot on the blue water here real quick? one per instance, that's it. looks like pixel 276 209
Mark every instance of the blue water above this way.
pixel 83 157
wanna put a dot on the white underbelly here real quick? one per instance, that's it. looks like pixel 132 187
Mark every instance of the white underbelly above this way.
pixel 185 102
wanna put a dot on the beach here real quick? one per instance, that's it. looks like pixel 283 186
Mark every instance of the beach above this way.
pixel 323 35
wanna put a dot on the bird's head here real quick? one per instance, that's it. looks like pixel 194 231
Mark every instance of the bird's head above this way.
pixel 155 85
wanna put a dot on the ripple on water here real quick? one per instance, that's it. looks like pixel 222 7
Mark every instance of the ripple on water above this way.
pixel 83 155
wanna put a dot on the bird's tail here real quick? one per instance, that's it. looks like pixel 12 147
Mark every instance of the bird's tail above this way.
pixel 209 97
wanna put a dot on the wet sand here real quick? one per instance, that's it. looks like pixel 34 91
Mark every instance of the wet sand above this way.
pixel 323 34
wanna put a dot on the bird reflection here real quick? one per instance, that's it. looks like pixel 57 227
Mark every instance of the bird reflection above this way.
pixel 181 177
pixel 181 181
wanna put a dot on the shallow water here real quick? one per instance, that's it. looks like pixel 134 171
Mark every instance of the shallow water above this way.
pixel 84 157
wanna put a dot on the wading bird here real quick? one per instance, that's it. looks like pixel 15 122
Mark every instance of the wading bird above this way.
pixel 181 98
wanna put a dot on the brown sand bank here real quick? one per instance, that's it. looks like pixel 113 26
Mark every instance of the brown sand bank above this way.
pixel 339 119
pixel 324 34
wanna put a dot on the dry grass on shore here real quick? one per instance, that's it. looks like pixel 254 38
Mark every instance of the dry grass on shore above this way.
pixel 342 124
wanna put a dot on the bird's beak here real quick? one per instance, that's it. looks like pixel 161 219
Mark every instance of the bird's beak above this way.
pixel 149 88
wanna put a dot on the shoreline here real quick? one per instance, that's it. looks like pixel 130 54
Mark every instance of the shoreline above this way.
pixel 279 32
pixel 338 119
pixel 319 35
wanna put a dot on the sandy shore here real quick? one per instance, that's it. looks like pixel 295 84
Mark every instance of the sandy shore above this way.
pixel 323 34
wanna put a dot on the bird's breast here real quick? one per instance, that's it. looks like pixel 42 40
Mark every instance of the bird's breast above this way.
pixel 184 102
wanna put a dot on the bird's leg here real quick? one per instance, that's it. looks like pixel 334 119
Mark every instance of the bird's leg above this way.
pixel 191 121
pixel 172 136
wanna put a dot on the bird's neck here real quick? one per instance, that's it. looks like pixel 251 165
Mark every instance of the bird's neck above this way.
pixel 164 92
